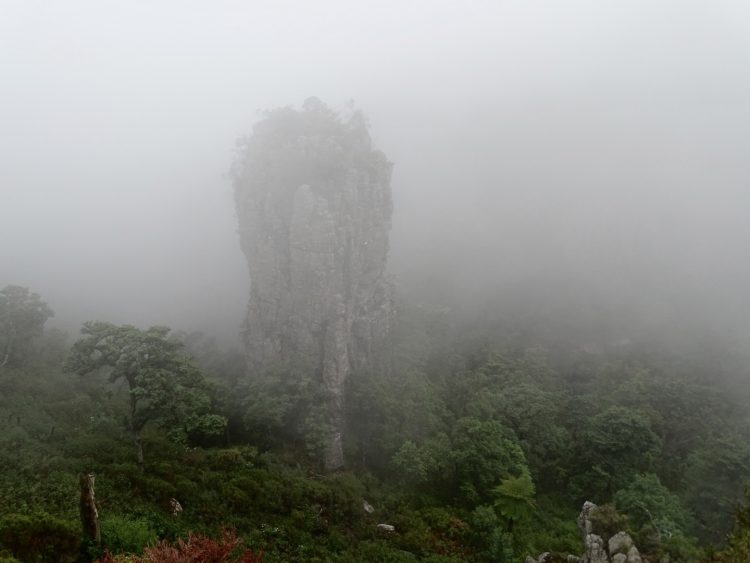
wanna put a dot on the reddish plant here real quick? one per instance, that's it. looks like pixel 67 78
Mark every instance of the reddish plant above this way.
pixel 197 549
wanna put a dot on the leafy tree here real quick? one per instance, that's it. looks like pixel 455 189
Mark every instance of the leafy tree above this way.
pixel 483 454
pixel 22 318
pixel 521 393
pixel 491 541
pixel 738 550
pixel 714 483
pixel 649 503
pixel 426 463
pixel 279 403
pixel 163 386
pixel 617 444
pixel 468 464
pixel 514 498
pixel 384 413
pixel 684 413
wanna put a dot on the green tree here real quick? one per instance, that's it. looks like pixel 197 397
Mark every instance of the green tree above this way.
pixel 163 386
pixel 715 479
pixel 278 404
pixel 38 537
pixel 649 503
pixel 617 444
pixel 22 318
pixel 483 454
pixel 521 392
pixel 426 463
pixel 738 548
pixel 514 498
pixel 386 413
pixel 491 541
pixel 468 464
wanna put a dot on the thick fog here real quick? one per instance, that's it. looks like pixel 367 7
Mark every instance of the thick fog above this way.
pixel 553 155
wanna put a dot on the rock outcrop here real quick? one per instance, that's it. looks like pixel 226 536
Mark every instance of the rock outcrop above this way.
pixel 314 206
pixel 619 548
pixel 593 543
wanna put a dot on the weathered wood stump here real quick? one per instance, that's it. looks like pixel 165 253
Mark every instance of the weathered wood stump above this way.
pixel 89 514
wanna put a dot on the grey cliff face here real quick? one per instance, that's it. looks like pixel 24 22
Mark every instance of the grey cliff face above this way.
pixel 314 207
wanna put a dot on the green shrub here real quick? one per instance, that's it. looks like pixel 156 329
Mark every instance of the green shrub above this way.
pixel 606 521
pixel 39 537
pixel 127 534
pixel 382 552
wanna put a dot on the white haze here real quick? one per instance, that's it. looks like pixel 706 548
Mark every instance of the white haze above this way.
pixel 589 144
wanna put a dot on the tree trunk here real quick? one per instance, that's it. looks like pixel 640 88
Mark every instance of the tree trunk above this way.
pixel 135 427
pixel 138 448
pixel 8 346
pixel 89 514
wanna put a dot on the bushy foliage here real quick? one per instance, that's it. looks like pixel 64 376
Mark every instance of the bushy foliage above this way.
pixel 715 477
pixel 164 387
pixel 22 318
pixel 606 521
pixel 196 549
pixel 301 145
pixel 474 452
pixel 484 453
pixel 514 498
pixel 39 537
pixel 649 503
pixel 127 533
pixel 738 548
pixel 617 443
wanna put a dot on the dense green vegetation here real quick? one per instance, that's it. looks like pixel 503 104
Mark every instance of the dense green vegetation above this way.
pixel 480 446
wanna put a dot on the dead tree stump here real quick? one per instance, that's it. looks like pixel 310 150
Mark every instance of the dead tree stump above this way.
pixel 89 514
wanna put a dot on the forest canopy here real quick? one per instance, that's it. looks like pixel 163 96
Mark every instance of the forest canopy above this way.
pixel 471 453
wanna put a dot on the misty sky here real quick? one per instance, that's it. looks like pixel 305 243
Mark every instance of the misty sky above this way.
pixel 587 141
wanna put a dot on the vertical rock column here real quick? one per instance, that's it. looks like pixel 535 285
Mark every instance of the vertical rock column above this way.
pixel 314 206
